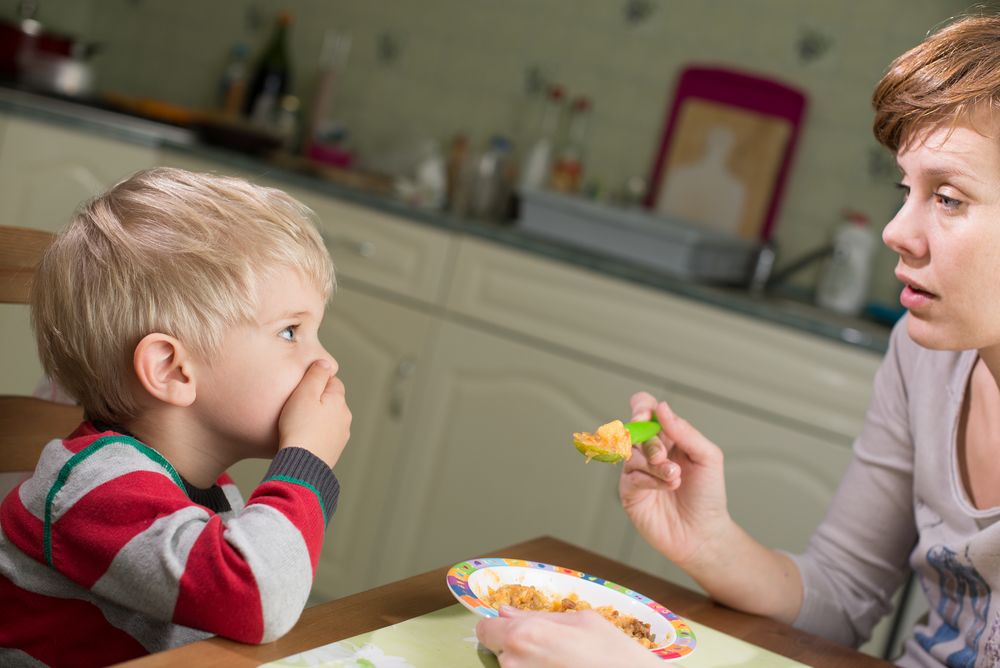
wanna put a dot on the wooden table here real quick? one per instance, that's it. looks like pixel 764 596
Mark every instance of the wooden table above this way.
pixel 425 593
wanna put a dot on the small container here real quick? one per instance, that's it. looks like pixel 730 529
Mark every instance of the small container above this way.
pixel 492 181
pixel 843 285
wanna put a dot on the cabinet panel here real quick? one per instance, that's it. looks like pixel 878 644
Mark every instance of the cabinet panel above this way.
pixel 799 377
pixel 368 246
pixel 491 460
pixel 379 347
pixel 46 172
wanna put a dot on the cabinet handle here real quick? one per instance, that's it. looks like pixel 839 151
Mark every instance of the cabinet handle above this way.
pixel 397 393
pixel 363 248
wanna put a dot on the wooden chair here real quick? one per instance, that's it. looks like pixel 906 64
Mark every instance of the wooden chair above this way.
pixel 27 424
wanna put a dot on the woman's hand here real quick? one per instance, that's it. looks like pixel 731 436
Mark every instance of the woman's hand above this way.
pixel 673 487
pixel 584 639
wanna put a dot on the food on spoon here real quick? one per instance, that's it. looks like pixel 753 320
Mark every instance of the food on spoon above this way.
pixel 526 597
pixel 611 443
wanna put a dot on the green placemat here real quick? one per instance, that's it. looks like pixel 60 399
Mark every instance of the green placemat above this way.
pixel 447 637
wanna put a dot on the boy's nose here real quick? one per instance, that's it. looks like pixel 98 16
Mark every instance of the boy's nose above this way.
pixel 324 355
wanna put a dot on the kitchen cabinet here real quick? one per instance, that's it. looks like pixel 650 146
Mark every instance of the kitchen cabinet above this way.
pixel 490 455
pixel 535 350
pixel 46 171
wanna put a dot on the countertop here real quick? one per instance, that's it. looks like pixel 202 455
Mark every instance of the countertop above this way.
pixel 783 309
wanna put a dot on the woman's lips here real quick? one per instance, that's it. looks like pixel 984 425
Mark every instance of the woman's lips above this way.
pixel 913 298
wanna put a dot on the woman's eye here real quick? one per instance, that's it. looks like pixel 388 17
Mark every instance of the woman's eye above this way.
pixel 949 203
pixel 288 333
pixel 905 188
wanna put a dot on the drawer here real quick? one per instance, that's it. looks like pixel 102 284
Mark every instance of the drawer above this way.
pixel 368 247
pixel 804 380
pixel 381 250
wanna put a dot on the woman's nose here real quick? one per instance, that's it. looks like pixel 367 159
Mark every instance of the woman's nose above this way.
pixel 903 234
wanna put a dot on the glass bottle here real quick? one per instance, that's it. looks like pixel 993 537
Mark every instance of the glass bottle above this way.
pixel 233 85
pixel 567 172
pixel 538 162
pixel 271 79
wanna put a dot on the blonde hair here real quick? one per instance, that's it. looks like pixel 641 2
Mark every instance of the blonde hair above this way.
pixel 942 81
pixel 165 250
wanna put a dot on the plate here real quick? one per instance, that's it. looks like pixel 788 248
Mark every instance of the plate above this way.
pixel 470 580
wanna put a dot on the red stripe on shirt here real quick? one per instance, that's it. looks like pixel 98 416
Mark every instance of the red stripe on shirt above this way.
pixel 84 539
pixel 21 527
pixel 216 571
pixel 28 621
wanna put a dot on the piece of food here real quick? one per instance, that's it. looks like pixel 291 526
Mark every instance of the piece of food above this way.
pixel 526 597
pixel 611 443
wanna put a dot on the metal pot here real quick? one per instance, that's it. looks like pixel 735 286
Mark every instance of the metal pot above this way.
pixel 53 73
pixel 51 62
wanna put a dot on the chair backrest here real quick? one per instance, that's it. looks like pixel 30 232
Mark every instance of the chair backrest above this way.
pixel 27 424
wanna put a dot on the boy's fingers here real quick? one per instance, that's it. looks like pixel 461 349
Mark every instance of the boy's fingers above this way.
pixel 316 377
pixel 334 385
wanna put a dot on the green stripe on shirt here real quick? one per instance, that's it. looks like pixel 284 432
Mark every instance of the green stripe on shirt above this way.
pixel 77 459
pixel 307 485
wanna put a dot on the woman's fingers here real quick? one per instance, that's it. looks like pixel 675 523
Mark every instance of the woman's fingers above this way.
pixel 691 442
pixel 491 632
pixel 642 404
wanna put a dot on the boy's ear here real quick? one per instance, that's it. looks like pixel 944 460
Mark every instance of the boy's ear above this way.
pixel 165 369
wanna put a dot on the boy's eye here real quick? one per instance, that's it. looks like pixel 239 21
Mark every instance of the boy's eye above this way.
pixel 905 188
pixel 288 333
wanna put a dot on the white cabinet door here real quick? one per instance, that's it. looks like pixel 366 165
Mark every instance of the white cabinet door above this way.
pixel 46 171
pixel 379 347
pixel 490 456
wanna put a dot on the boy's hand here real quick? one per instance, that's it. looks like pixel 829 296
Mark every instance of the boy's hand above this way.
pixel 316 416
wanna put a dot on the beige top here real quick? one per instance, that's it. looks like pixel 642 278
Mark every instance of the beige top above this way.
pixel 902 500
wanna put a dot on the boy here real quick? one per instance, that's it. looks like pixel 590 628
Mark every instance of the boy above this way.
pixel 182 311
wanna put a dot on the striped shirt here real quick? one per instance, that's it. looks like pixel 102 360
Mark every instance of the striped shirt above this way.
pixel 107 554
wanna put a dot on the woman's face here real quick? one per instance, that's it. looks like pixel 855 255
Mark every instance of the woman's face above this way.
pixel 947 236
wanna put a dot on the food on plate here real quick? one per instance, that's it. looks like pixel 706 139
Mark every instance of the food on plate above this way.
pixel 611 443
pixel 526 597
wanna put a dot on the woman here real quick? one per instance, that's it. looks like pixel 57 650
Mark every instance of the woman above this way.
pixel 922 491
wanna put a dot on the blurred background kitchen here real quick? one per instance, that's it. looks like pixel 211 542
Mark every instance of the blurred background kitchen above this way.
pixel 412 74
pixel 536 208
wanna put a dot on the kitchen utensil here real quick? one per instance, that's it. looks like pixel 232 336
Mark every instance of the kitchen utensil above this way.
pixel 643 430
pixel 55 73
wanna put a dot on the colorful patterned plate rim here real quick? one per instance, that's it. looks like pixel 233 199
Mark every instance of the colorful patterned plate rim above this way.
pixel 464 578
